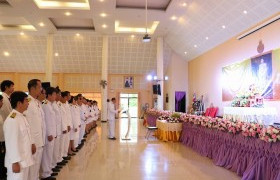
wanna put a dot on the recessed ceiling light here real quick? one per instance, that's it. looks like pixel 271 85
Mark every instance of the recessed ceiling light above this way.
pixel 77 34
pixel 195 46
pixel 104 26
pixel 185 52
pixel 6 53
pixel 68 13
pixel 41 24
pixel 245 12
pixel 56 54
pixel 21 33
pixel 223 26
pixel 173 18
pixel 184 4
pixel 103 15
pixel 132 36
pixel 207 38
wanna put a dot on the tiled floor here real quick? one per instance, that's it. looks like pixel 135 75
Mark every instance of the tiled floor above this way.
pixel 139 159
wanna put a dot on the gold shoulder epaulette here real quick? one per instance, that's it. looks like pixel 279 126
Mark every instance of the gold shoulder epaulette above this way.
pixel 29 99
pixel 46 102
pixel 13 115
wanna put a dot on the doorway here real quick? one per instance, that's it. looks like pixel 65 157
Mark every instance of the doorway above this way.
pixel 129 101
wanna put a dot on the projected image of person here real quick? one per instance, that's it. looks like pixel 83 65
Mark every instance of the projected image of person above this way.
pixel 262 71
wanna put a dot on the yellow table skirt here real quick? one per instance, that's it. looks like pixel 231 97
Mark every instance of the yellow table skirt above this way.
pixel 168 135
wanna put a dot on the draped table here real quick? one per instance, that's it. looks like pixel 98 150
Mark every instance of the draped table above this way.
pixel 251 158
pixel 168 131
pixel 266 116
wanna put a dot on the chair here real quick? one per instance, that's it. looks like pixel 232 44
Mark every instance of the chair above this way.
pixel 150 128
pixel 213 112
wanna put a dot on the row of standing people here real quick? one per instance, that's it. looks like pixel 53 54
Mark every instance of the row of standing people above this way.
pixel 41 131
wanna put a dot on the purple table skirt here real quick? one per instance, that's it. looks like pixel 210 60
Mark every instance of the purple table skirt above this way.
pixel 151 120
pixel 250 158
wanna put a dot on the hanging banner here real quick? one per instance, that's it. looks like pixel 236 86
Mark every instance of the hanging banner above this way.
pixel 259 75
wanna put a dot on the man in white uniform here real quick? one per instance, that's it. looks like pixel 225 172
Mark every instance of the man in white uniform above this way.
pixel 83 117
pixel 37 126
pixel 50 133
pixel 18 139
pixel 111 117
pixel 68 121
pixel 7 88
pixel 74 133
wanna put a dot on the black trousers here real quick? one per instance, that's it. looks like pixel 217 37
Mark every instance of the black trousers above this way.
pixel 3 170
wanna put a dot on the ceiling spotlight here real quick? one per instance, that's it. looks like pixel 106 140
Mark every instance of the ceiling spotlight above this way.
pixel 149 77
pixel 68 13
pixel 195 46
pixel 104 26
pixel 185 52
pixel 21 33
pixel 56 54
pixel 155 77
pixel 6 53
pixel 78 34
pixel 132 36
pixel 41 24
pixel 173 18
pixel 101 0
pixel 146 38
pixel 207 38
pixel 165 78
pixel 245 12
pixel 103 15
pixel 223 26
pixel 184 4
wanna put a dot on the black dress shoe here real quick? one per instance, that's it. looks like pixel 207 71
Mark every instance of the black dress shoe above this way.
pixel 58 167
pixel 73 154
pixel 55 170
pixel 66 158
pixel 54 174
pixel 61 163
pixel 49 178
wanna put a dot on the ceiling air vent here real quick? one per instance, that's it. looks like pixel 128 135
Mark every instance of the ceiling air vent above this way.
pixel 4 3
pixel 255 29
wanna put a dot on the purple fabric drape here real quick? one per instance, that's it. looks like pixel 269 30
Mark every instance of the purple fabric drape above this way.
pixel 151 120
pixel 179 95
pixel 250 158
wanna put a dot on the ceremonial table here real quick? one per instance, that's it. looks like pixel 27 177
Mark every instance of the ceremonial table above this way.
pixel 265 116
pixel 251 158
pixel 168 131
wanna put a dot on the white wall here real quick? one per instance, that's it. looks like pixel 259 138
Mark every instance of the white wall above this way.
pixel 177 72
pixel 205 72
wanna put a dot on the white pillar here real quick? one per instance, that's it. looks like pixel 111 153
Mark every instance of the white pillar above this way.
pixel 49 60
pixel 160 75
pixel 104 76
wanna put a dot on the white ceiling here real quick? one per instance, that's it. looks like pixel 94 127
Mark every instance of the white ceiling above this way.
pixel 191 25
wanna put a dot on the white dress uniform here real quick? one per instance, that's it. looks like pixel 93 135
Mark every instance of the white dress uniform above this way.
pixel 83 116
pixel 75 121
pixel 78 123
pixel 6 108
pixel 58 143
pixel 68 120
pixel 18 145
pixel 96 113
pixel 63 127
pixel 50 121
pixel 37 125
pixel 111 117
pixel 90 113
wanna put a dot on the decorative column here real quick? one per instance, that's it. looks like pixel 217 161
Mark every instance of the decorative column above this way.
pixel 160 72
pixel 49 60
pixel 104 76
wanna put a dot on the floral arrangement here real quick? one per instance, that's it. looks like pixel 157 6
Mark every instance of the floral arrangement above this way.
pixel 242 99
pixel 254 130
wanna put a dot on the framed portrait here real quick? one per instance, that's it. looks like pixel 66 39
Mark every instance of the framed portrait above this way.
pixel 128 82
